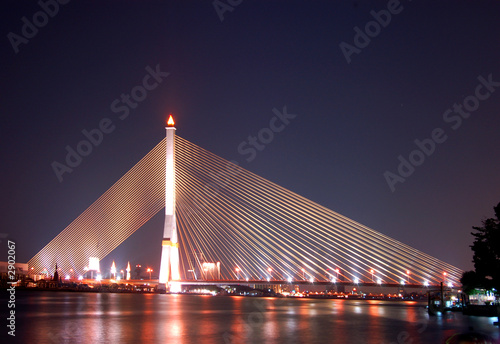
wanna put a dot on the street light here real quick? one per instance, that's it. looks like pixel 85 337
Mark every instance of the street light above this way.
pixel 237 273
pixel 150 271
pixel 408 274
pixel 337 270
pixel 270 273
pixel 304 274
pixel 123 275
pixel 372 271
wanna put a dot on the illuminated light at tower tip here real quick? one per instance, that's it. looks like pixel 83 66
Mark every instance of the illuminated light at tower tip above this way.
pixel 170 122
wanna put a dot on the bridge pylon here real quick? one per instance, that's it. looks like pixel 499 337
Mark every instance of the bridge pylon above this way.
pixel 169 266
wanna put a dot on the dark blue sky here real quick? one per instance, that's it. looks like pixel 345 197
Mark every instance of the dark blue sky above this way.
pixel 353 119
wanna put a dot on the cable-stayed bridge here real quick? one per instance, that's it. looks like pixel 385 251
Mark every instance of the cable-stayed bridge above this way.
pixel 257 230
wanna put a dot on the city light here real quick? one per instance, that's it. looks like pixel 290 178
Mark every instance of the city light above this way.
pixel 356 280
pixel 426 283
pixel 379 280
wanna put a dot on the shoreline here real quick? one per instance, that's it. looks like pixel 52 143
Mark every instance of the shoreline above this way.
pixel 354 297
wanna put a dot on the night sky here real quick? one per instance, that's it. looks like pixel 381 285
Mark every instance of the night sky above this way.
pixel 353 118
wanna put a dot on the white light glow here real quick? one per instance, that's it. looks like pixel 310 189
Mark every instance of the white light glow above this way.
pixel 175 287
pixel 94 263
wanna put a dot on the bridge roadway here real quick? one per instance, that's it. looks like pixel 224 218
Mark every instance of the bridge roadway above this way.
pixel 283 282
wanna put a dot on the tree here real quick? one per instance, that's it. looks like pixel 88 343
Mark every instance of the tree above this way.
pixel 470 281
pixel 486 248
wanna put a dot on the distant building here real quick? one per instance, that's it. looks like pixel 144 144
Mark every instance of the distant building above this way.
pixel 21 269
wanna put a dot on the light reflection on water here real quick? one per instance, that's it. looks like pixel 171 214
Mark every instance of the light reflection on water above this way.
pixel 58 317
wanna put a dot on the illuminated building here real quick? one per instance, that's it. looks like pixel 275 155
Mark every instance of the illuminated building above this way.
pixel 113 270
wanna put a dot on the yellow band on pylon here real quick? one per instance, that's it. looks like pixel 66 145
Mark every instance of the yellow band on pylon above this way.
pixel 169 243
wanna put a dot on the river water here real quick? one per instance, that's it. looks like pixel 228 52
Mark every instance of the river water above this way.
pixel 65 317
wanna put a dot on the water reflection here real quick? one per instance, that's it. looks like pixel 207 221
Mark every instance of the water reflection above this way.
pixel 134 318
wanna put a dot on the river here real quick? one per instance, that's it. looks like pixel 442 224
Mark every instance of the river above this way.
pixel 66 317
